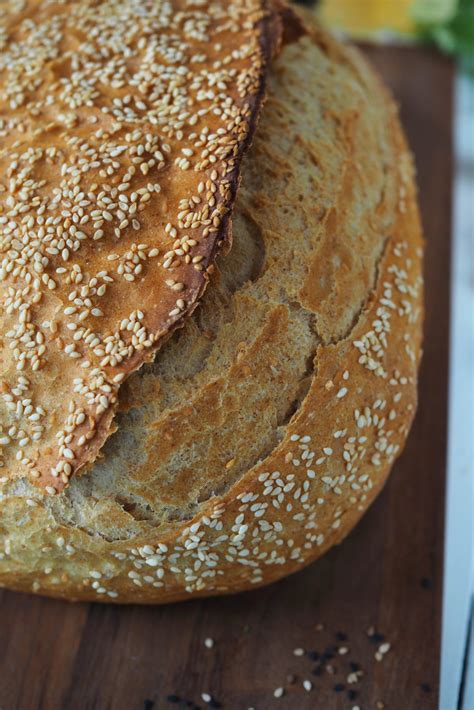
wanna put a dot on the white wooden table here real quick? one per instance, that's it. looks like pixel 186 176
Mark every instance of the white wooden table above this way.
pixel 457 662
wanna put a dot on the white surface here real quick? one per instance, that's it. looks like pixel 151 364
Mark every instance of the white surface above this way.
pixel 468 703
pixel 459 541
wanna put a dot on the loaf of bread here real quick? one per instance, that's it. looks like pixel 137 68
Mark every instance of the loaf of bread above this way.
pixel 257 435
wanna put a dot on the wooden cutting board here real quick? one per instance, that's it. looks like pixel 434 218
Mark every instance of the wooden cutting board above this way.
pixel 387 575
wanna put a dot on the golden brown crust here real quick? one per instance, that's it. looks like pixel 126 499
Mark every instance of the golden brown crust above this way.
pixel 302 361
pixel 124 127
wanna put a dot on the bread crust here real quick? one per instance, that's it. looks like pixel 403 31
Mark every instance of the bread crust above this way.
pixel 359 294
pixel 125 190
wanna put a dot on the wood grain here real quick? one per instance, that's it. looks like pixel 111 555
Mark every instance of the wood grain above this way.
pixel 387 574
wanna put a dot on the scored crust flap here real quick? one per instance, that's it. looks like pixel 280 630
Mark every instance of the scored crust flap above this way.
pixel 122 127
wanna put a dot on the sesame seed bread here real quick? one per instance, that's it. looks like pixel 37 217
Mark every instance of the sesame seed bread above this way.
pixel 266 426
pixel 123 126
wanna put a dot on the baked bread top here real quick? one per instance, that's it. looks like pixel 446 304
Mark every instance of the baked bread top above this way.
pixel 122 127
pixel 266 425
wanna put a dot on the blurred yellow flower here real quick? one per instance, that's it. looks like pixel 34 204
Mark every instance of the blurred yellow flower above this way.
pixel 365 18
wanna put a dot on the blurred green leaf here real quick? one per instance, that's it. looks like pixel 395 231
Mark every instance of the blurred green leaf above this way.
pixel 433 11
pixel 456 36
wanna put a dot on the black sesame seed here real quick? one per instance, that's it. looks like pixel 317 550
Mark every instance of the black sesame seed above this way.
pixel 148 704
pixel 426 687
pixel 352 694
pixel 339 687
pixel 354 666
pixel 214 703
pixel 377 638
pixel 317 670
pixel 173 698
pixel 341 636
pixel 426 583
pixel 327 655
pixel 313 655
